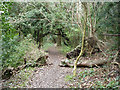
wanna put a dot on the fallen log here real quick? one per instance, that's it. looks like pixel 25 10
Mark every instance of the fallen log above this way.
pixel 84 63
pixel 91 63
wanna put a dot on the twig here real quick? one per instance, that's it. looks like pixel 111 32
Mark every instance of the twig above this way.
pixel 101 50
pixel 111 34
pixel 116 56
pixel 116 63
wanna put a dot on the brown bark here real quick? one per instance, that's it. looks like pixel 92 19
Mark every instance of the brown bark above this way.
pixel 59 38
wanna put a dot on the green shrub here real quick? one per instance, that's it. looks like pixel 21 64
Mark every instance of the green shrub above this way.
pixel 15 53
pixel 64 49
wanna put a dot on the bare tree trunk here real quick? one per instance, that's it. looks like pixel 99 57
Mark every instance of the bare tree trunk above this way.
pixel 39 38
pixel 59 38
pixel 40 42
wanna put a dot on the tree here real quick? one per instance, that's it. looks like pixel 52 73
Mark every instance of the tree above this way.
pixel 9 35
pixel 83 38
pixel 96 12
pixel 42 19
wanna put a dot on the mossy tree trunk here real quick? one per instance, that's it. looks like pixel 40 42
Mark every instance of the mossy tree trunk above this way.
pixel 83 39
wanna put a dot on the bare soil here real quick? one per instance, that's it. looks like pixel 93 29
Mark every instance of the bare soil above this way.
pixel 51 75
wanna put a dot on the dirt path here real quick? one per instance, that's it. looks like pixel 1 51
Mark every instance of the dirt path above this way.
pixel 51 76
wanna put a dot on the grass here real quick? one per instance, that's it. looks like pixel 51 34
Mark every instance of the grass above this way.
pixel 69 78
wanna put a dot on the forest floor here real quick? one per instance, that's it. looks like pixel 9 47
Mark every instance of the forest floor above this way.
pixel 54 76
pixel 51 75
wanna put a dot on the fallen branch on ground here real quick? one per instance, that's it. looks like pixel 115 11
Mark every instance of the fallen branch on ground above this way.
pixel 87 63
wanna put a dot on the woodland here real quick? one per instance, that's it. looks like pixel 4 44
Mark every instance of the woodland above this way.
pixel 59 45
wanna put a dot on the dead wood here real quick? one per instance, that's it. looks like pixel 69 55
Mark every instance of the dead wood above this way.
pixel 85 63
pixel 8 72
pixel 74 53
pixel 111 34
pixel 91 47
pixel 91 63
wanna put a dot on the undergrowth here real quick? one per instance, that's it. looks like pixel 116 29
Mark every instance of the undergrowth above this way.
pixel 20 79
pixel 46 45
pixel 64 49
pixel 96 78
pixel 17 52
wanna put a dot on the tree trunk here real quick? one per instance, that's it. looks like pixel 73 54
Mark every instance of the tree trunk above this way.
pixel 59 38
pixel 83 39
